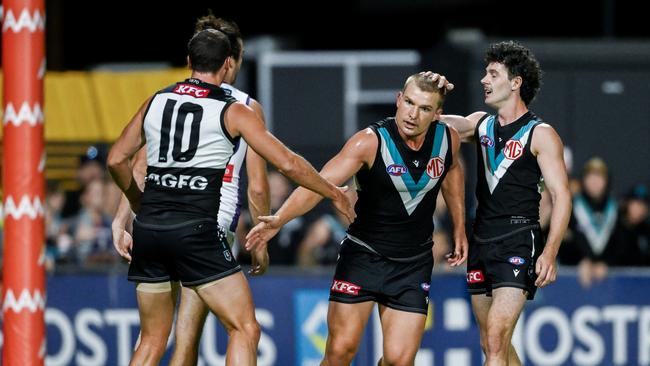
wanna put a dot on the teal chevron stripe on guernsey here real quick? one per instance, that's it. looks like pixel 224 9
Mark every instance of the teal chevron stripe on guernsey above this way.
pixel 437 142
pixel 410 184
pixel 490 149
pixel 495 163
pixel 411 193
pixel 495 169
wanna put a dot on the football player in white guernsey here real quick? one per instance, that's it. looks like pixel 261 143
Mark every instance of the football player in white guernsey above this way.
pixel 512 79
pixel 396 198
pixel 209 59
pixel 192 312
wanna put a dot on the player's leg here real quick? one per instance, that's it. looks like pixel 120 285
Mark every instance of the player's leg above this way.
pixel 402 332
pixel 507 304
pixel 345 325
pixel 156 303
pixel 357 279
pixel 230 299
pixel 190 319
pixel 205 263
pixel 481 306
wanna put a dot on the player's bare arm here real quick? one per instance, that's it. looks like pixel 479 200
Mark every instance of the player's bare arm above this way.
pixel 258 198
pixel 258 184
pixel 122 225
pixel 547 146
pixel 248 125
pixel 358 152
pixel 129 142
pixel 466 126
pixel 453 191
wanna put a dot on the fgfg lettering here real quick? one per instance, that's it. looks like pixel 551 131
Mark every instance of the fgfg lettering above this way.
pixel 198 182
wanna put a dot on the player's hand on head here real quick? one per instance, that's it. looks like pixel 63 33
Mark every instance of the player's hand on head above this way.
pixel 259 260
pixel 123 242
pixel 343 203
pixel 441 79
pixel 261 233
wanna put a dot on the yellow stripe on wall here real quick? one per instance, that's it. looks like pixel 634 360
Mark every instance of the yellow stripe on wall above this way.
pixel 95 106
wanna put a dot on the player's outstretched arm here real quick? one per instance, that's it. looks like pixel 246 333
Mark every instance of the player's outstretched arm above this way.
pixel 358 151
pixel 248 125
pixel 466 126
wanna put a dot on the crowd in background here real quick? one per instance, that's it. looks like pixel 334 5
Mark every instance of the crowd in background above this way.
pixel 604 231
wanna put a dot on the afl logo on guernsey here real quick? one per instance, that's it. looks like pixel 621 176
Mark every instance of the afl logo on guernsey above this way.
pixel 517 261
pixel 513 150
pixel 486 141
pixel 436 167
pixel 396 170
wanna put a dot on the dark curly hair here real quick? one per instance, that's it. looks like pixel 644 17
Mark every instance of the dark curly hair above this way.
pixel 228 27
pixel 520 62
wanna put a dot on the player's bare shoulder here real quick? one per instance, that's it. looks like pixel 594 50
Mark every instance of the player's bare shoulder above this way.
pixel 545 137
pixel 362 146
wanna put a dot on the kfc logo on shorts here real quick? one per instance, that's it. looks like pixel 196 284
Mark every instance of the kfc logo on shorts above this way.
pixel 345 287
pixel 513 150
pixel 436 167
pixel 475 276
pixel 486 141
pixel 517 261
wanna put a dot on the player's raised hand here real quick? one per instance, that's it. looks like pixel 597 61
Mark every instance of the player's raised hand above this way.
pixel 343 203
pixel 442 80
pixel 267 228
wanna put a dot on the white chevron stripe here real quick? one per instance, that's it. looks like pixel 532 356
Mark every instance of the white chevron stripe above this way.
pixel 31 208
pixel 493 179
pixel 26 300
pixel 25 114
pixel 25 20
pixel 410 203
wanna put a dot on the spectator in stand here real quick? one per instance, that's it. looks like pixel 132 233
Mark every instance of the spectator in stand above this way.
pixel 92 228
pixel 631 238
pixel 593 220
pixel 91 167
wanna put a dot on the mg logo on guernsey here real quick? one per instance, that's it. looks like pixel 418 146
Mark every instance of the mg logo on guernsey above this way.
pixel 513 150
pixel 436 167
pixel 191 90
pixel 345 287
pixel 475 276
